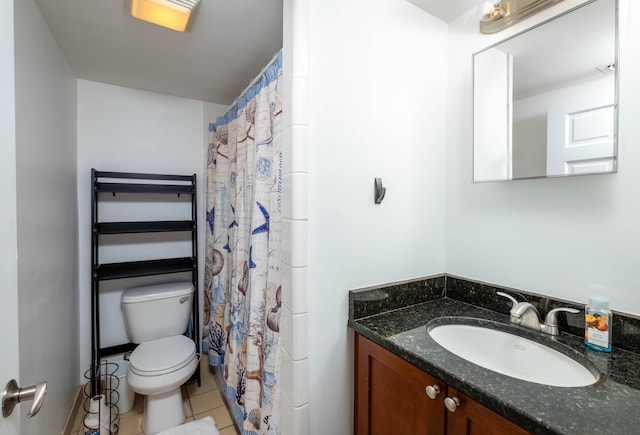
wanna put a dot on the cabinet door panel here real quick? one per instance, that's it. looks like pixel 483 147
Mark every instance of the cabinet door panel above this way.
pixel 472 418
pixel 391 396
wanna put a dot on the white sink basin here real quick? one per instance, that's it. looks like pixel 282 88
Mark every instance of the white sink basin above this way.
pixel 512 355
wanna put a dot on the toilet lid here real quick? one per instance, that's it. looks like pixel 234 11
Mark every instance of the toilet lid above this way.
pixel 164 355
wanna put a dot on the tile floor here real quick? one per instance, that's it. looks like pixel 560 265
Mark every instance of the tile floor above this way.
pixel 199 402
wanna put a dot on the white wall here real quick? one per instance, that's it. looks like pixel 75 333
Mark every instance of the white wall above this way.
pixel 376 108
pixel 122 129
pixel 567 237
pixel 47 225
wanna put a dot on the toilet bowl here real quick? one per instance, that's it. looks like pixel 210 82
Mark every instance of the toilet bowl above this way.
pixel 157 369
pixel 156 317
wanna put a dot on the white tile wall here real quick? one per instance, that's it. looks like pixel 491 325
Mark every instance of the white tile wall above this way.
pixel 295 149
pixel 295 419
pixel 294 331
pixel 294 278
pixel 300 40
pixel 294 243
pixel 299 100
pixel 294 372
pixel 294 334
pixel 295 192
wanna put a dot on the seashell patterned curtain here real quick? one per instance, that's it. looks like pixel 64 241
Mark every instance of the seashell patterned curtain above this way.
pixel 242 270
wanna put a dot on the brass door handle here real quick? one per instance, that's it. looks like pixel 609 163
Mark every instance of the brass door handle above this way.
pixel 13 395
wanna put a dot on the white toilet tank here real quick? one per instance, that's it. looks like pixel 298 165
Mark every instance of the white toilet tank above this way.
pixel 157 311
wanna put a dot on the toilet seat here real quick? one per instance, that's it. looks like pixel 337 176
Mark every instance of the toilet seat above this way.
pixel 162 356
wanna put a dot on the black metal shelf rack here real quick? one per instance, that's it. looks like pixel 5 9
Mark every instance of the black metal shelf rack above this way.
pixel 103 182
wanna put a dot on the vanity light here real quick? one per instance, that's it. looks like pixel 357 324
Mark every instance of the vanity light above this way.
pixel 490 10
pixel 173 14
pixel 498 15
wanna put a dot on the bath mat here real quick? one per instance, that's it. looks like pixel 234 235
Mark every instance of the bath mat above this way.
pixel 204 426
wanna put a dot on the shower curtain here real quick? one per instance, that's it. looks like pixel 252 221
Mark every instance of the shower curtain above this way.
pixel 242 270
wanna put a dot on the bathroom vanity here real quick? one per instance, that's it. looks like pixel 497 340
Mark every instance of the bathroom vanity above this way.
pixel 394 396
pixel 407 383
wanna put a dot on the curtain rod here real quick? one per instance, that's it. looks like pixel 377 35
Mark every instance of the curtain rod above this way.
pixel 256 78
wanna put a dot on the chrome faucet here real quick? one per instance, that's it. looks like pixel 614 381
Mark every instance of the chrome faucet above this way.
pixel 525 314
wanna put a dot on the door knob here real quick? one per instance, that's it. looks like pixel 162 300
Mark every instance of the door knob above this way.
pixel 13 395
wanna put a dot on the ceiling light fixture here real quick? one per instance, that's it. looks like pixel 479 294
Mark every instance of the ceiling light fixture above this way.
pixel 173 14
pixel 496 15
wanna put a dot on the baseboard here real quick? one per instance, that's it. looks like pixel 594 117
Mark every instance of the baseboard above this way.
pixel 74 412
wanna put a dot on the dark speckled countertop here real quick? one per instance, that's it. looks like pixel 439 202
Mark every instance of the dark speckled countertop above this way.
pixel 610 406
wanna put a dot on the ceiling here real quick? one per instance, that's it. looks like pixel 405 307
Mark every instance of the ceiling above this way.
pixel 229 43
pixel 445 10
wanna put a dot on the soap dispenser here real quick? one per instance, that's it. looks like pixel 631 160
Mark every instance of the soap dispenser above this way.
pixel 597 319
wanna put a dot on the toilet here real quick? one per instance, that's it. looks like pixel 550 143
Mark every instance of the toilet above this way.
pixel 156 316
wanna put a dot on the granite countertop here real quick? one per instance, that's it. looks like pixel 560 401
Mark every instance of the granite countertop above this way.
pixel 611 405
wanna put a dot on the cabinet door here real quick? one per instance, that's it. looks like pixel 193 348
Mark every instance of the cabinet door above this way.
pixel 391 395
pixel 472 418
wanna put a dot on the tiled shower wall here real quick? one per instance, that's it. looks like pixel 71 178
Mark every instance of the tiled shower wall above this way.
pixel 294 349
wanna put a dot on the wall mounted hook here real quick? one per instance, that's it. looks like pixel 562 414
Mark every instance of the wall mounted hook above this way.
pixel 378 191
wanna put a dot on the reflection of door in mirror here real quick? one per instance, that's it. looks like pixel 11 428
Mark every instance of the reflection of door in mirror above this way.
pixel 562 100
pixel 580 138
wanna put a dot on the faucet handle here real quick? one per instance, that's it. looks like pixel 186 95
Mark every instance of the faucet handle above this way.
pixel 513 300
pixel 552 316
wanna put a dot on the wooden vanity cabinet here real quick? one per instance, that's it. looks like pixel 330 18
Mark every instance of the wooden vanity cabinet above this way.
pixel 391 398
pixel 390 395
pixel 472 418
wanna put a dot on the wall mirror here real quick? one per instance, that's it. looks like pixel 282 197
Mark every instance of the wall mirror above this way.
pixel 545 100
